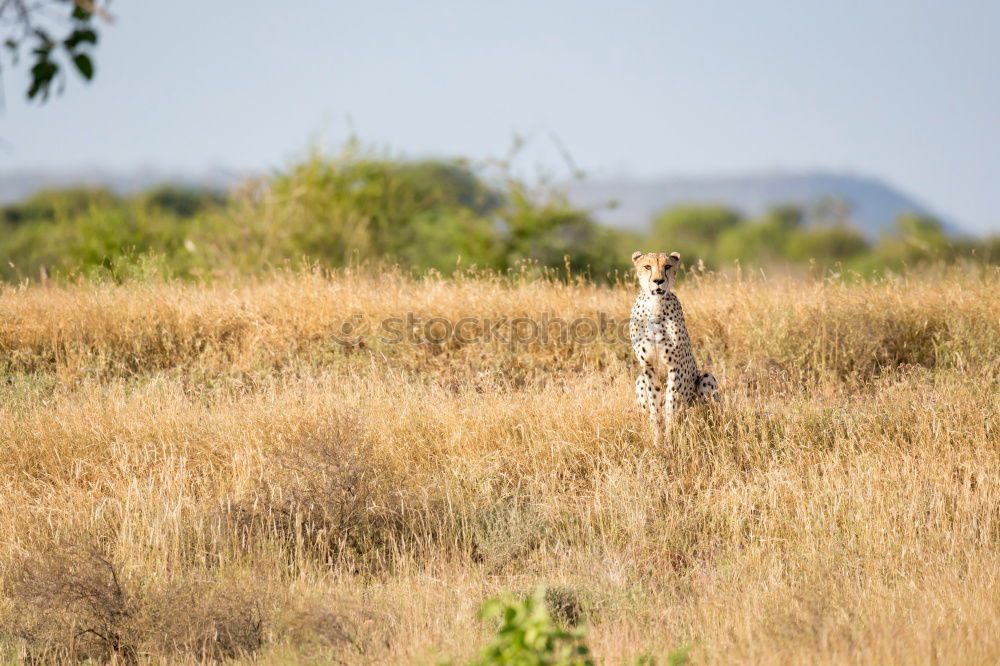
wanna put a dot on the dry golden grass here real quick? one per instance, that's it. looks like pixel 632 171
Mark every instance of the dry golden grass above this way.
pixel 192 473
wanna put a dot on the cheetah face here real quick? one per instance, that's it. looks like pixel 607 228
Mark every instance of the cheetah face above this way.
pixel 708 388
pixel 656 271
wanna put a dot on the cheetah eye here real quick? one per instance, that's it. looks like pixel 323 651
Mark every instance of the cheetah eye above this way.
pixel 648 267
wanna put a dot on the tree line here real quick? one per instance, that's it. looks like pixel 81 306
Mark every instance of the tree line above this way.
pixel 444 215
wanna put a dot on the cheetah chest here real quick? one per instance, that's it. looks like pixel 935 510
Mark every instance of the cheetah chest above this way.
pixel 659 337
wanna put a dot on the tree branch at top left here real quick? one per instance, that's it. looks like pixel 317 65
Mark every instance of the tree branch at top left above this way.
pixel 56 36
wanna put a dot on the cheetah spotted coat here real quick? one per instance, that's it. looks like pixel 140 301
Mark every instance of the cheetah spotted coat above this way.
pixel 669 379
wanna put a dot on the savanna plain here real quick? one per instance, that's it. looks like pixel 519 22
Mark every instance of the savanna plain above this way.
pixel 246 470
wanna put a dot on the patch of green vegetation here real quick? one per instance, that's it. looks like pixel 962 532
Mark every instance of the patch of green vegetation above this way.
pixel 353 208
pixel 527 635
pixel 359 207
pixel 716 236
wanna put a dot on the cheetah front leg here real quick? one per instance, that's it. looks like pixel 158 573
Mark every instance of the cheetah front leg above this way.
pixel 641 392
pixel 675 400
pixel 649 395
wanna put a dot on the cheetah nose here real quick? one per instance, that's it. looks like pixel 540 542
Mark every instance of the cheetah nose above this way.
pixel 659 281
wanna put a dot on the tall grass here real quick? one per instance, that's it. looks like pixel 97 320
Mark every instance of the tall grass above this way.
pixel 203 472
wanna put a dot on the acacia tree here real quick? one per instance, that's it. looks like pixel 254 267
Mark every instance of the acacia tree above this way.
pixel 56 35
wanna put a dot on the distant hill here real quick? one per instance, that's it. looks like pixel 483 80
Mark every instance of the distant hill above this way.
pixel 873 205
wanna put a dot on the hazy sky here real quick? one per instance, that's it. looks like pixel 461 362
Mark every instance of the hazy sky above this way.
pixel 905 90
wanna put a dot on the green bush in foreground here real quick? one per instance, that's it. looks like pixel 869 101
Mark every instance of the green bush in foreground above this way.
pixel 529 637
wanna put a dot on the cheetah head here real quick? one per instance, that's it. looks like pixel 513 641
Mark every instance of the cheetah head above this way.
pixel 656 270
pixel 708 388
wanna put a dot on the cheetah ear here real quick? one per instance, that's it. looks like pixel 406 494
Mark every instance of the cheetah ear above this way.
pixel 676 256
pixel 636 255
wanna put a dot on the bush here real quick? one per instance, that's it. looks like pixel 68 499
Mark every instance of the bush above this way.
pixel 328 500
pixel 527 635
pixel 786 235
pixel 351 208
pixel 74 604
pixel 361 207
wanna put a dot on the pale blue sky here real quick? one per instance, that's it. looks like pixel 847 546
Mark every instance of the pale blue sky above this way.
pixel 905 90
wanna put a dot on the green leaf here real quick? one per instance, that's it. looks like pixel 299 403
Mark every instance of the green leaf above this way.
pixel 41 78
pixel 80 36
pixel 84 65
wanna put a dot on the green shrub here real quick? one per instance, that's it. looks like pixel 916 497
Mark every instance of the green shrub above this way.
pixel 528 636
pixel 364 207
pixel 341 210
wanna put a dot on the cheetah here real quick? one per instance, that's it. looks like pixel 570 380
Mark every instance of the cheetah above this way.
pixel 669 380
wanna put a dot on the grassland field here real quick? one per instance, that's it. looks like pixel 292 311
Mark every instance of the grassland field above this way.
pixel 198 472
